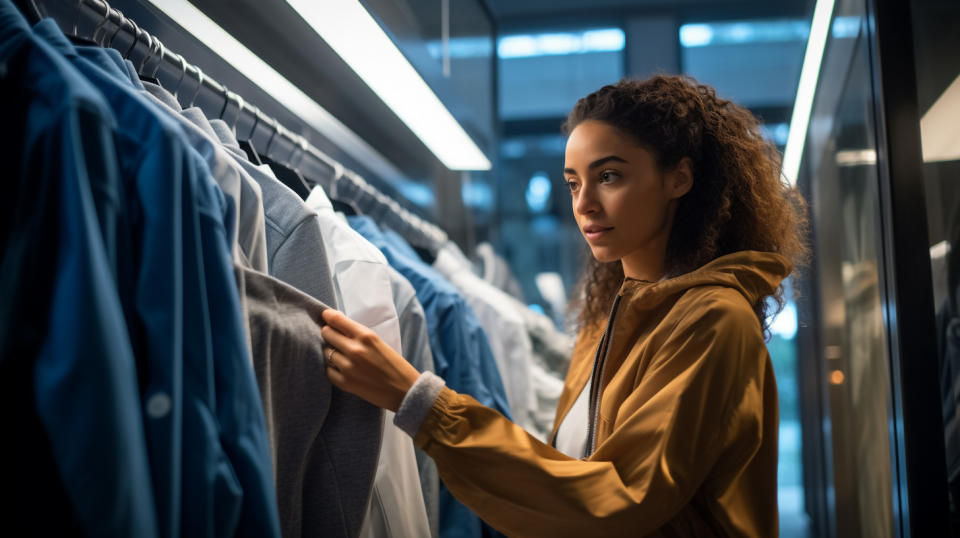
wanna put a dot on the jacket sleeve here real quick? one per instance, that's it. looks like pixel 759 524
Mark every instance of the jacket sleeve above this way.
pixel 698 395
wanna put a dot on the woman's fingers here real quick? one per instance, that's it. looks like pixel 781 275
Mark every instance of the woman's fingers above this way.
pixel 336 377
pixel 341 322
pixel 338 340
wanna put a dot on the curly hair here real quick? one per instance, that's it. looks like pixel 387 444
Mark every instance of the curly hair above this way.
pixel 738 201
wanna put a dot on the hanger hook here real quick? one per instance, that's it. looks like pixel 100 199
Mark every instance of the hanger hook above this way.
pixel 148 54
pixel 276 128
pixel 256 122
pixel 76 20
pixel 199 85
pixel 236 119
pixel 136 40
pixel 102 22
pixel 113 36
pixel 183 73
pixel 295 147
pixel 226 101
pixel 302 146
pixel 160 50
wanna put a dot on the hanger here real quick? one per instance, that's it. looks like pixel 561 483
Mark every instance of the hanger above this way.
pixel 288 177
pixel 156 69
pixel 75 37
pixel 199 85
pixel 236 118
pixel 100 25
pixel 247 145
pixel 183 73
pixel 154 44
pixel 116 31
pixel 136 40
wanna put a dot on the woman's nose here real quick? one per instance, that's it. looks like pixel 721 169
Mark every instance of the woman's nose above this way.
pixel 586 201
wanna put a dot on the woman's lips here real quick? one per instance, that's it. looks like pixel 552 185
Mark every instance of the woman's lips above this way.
pixel 593 232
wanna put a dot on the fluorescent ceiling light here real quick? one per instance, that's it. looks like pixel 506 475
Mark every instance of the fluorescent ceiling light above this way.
pixel 939 128
pixel 276 85
pixel 812 58
pixel 350 31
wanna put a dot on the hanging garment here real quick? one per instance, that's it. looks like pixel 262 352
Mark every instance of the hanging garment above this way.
pixel 288 358
pixel 415 340
pixel 461 351
pixel 685 429
pixel 67 376
pixel 226 483
pixel 237 185
pixel 496 271
pixel 504 327
pixel 347 440
pixel 362 280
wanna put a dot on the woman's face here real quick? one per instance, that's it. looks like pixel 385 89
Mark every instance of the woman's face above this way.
pixel 622 201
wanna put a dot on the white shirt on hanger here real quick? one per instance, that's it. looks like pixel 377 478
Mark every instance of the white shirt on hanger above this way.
pixel 361 280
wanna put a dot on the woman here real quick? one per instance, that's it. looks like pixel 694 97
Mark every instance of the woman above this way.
pixel 668 420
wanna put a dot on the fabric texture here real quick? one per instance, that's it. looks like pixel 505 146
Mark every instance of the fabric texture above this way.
pixel 418 402
pixel 205 426
pixel 362 281
pixel 461 352
pixel 343 460
pixel 67 377
pixel 285 328
pixel 686 429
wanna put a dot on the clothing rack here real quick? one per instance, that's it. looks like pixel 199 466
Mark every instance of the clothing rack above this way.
pixel 282 145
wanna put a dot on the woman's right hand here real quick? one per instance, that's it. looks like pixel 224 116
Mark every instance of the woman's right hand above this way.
pixel 361 363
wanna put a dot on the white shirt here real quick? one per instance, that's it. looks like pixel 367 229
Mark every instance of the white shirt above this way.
pixel 361 279
pixel 504 327
pixel 572 433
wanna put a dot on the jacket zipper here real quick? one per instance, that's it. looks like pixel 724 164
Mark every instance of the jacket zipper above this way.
pixel 598 365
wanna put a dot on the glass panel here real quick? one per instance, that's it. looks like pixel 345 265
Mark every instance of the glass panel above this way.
pixel 936 42
pixel 769 54
pixel 850 274
pixel 543 75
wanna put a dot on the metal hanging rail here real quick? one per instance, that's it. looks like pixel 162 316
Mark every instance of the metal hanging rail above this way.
pixel 282 145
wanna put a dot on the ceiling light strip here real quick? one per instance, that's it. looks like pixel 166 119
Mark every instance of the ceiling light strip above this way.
pixel 353 33
pixel 276 85
pixel 809 74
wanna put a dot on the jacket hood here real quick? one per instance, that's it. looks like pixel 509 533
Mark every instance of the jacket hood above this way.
pixel 752 273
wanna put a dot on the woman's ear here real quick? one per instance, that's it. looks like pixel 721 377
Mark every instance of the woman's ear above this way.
pixel 680 178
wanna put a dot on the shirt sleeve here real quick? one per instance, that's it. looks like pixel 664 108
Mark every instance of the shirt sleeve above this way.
pixel 695 397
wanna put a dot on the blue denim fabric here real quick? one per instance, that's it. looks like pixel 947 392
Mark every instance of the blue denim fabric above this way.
pixel 461 351
pixel 79 367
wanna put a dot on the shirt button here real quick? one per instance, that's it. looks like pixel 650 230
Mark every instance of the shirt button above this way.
pixel 159 405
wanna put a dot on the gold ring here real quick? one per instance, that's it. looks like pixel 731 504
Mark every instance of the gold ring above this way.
pixel 330 358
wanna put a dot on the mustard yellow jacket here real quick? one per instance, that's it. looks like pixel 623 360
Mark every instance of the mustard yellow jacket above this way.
pixel 686 436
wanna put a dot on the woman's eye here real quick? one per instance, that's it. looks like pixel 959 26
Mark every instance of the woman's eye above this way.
pixel 607 176
pixel 573 185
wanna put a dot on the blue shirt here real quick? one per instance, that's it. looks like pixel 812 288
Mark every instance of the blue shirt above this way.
pixel 461 352
pixel 206 430
pixel 79 369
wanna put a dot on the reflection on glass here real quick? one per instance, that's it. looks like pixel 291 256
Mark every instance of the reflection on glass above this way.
pixel 938 93
pixel 851 272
